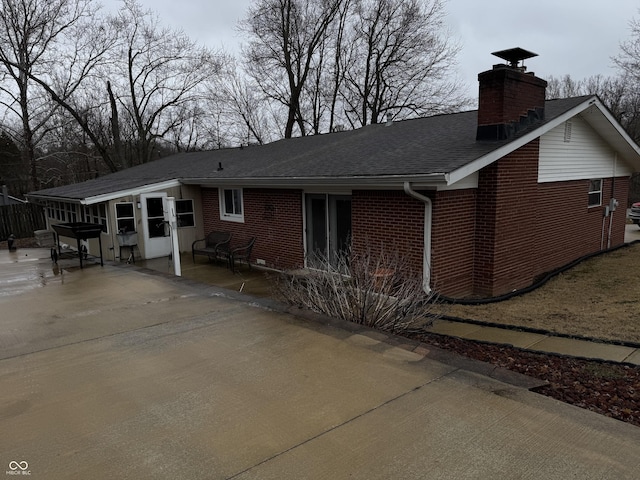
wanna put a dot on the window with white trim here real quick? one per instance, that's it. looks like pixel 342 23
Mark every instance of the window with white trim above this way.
pixel 231 205
pixel 72 212
pixel 125 217
pixel 63 211
pixel 184 213
pixel 595 192
pixel 96 214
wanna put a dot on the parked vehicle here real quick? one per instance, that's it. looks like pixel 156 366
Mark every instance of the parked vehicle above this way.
pixel 634 213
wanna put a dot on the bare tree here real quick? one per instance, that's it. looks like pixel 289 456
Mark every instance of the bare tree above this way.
pixel 52 49
pixel 620 94
pixel 564 87
pixel 32 33
pixel 161 76
pixel 284 37
pixel 628 60
pixel 331 62
pixel 244 113
pixel 401 61
pixel 338 64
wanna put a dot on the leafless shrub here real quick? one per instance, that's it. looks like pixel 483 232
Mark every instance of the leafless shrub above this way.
pixel 378 290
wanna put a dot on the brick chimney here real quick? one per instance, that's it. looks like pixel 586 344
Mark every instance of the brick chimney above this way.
pixel 509 98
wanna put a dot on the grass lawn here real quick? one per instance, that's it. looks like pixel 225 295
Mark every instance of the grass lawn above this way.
pixel 599 298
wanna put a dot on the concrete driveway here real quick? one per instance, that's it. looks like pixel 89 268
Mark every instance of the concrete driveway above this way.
pixel 116 373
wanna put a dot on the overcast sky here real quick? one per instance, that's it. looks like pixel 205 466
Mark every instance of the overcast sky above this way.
pixel 576 37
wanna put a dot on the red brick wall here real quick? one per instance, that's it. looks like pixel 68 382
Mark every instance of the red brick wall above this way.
pixel 396 220
pixel 571 228
pixel 505 222
pixel 453 234
pixel 485 241
pixel 506 94
pixel 274 217
pixel 389 219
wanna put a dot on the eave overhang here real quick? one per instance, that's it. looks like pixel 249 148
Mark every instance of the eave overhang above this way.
pixel 94 199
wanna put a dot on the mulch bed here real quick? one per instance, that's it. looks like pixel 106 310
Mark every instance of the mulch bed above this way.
pixel 608 388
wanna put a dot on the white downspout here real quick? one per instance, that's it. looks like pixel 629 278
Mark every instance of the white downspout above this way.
pixel 426 257
pixel 612 205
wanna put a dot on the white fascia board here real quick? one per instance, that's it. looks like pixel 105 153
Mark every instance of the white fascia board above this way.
pixel 496 155
pixel 154 187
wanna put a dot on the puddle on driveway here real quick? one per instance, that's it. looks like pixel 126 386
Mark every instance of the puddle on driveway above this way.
pixel 14 281
pixel 28 269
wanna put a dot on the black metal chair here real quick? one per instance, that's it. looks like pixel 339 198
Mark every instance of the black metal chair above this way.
pixel 214 246
pixel 240 253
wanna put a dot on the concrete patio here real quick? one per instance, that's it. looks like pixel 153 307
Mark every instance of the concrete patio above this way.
pixel 112 372
pixel 250 281
pixel 260 283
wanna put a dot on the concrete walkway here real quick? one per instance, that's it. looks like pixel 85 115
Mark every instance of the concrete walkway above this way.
pixel 111 372
pixel 631 233
pixel 539 342
pixel 547 343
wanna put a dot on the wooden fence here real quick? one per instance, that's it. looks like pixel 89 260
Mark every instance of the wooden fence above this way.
pixel 21 220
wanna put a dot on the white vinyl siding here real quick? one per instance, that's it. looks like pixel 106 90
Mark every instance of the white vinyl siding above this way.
pixel 577 152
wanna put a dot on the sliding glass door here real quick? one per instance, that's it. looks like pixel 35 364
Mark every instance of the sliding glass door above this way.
pixel 328 228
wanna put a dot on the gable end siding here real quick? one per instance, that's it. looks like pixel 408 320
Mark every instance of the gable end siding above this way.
pixel 274 217
pixel 585 155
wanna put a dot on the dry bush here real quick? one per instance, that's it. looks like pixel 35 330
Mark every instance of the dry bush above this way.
pixel 377 290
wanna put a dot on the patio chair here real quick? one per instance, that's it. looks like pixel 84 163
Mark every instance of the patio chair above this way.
pixel 214 246
pixel 240 253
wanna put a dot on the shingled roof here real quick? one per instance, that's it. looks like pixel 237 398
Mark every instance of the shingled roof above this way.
pixel 431 147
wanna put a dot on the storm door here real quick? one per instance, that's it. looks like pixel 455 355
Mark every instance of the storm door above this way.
pixel 157 240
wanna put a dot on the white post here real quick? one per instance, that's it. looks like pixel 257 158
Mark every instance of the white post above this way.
pixel 173 227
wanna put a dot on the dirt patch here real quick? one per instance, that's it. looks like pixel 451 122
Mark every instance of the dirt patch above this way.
pixel 599 298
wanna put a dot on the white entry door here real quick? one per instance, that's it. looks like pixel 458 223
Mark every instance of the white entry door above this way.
pixel 155 225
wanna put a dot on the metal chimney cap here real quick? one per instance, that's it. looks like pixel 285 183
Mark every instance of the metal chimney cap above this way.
pixel 514 55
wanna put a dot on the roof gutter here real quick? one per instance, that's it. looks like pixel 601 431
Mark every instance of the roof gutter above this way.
pixel 44 198
pixel 426 255
pixel 391 181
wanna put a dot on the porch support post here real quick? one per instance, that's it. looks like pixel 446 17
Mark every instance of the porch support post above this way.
pixel 173 227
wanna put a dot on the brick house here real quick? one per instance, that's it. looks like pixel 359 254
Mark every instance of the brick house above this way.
pixel 482 202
